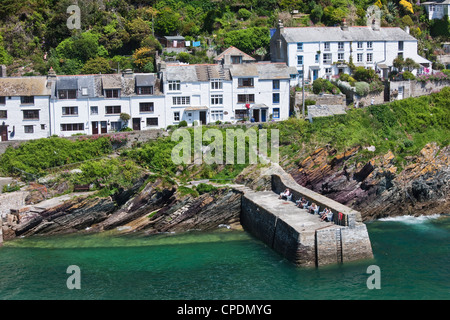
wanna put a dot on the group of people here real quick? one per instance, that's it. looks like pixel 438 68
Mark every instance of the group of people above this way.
pixel 325 215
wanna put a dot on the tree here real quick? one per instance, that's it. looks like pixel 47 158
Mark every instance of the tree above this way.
pixel 5 58
pixel 398 63
pixel 96 66
pixel 248 40
pixel 138 30
pixel 410 64
pixel 167 22
pixel 142 57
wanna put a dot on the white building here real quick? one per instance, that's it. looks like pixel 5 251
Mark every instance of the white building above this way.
pixel 226 93
pixel 92 104
pixel 323 52
pixel 24 108
pixel 437 9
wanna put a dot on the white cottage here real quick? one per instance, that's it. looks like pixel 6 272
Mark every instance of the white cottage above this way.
pixel 24 108
pixel 437 9
pixel 323 52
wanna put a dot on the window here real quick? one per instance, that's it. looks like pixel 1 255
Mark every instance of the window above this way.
pixel 276 84
pixel 113 109
pixel 245 82
pixel 236 59
pixel 116 125
pixel 369 44
pixel 275 98
pixel 42 126
pixel 72 126
pixel 299 60
pixel 327 70
pixel 276 113
pixel 359 57
pixel 176 116
pixel 3 114
pixel 216 84
pixel 327 58
pixel 146 107
pixel 28 129
pixel 84 91
pixel 2 100
pixel 174 85
pixel 240 114
pixel 181 101
pixel 400 55
pixel 317 57
pixel 217 115
pixel 67 94
pixel 300 74
pixel 327 46
pixel 360 44
pixel 145 90
pixel 27 100
pixel 340 45
pixel 300 46
pixel 31 114
pixel 216 99
pixel 340 57
pixel 152 122
pixel 94 110
pixel 112 93
pixel 66 111
pixel 246 98
pixel 369 57
pixel 400 46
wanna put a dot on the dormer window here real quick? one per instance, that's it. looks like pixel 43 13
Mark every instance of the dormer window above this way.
pixel 236 59
pixel 245 82
pixel 112 93
pixel 67 94
pixel 145 90
pixel 27 100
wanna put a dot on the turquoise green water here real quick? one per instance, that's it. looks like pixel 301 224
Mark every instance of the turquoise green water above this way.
pixel 413 255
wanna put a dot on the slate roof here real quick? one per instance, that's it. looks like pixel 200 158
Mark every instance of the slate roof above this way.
pixel 24 86
pixel 359 33
pixel 233 51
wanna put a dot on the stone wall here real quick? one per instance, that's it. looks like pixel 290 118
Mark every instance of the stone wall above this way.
pixel 11 200
pixel 378 98
pixel 414 88
pixel 321 99
pixel 350 216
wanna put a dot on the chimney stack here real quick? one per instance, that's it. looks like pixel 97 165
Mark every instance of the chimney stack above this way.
pixel 280 26
pixel 344 25
pixel 127 73
pixel 51 74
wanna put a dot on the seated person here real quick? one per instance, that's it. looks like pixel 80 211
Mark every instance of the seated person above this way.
pixel 323 214
pixel 285 194
pixel 312 208
pixel 302 204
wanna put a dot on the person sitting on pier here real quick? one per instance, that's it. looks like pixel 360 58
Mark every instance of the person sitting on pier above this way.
pixel 313 208
pixel 302 203
pixel 324 213
pixel 286 194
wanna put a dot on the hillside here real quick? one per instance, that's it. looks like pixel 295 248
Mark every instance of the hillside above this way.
pixel 34 35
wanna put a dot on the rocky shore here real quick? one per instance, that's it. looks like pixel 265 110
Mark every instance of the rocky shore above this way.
pixel 376 188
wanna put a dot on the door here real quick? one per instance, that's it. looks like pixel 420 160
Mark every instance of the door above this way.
pixel 94 127
pixel 4 133
pixel 263 115
pixel 136 124
pixel 400 93
pixel 315 74
pixel 203 117
pixel 104 127
pixel 256 115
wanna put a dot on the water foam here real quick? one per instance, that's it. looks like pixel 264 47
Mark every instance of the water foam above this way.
pixel 412 219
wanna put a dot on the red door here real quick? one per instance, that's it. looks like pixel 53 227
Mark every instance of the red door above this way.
pixel 94 127
pixel 4 133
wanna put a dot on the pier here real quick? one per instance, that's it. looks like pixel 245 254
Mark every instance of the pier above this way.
pixel 299 236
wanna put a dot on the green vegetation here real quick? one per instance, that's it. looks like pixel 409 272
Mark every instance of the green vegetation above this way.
pixel 403 127
pixel 36 156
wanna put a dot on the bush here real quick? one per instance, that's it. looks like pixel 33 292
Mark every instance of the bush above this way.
pixel 408 75
pixel 182 123
pixel 324 86
pixel 362 88
pixel 205 188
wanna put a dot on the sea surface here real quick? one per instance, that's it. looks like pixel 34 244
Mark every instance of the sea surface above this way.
pixel 412 254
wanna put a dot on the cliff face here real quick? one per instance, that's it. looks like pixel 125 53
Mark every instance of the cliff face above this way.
pixel 157 208
pixel 377 188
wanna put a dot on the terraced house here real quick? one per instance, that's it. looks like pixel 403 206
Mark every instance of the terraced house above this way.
pixel 233 89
